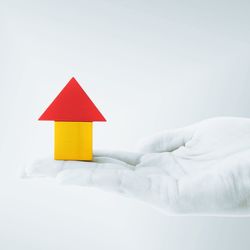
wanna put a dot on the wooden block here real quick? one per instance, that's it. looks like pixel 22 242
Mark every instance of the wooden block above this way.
pixel 73 141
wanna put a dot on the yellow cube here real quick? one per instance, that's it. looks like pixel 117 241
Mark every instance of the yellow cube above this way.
pixel 73 141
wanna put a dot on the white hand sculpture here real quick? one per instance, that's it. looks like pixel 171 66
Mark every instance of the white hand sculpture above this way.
pixel 199 168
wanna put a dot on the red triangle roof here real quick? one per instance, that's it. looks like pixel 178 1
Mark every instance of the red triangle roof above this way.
pixel 72 104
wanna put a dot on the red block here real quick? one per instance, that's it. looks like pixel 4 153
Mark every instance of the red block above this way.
pixel 72 104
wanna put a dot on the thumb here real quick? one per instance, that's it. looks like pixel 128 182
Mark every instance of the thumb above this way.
pixel 166 141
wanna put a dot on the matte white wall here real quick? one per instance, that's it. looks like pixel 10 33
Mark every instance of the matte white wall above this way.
pixel 148 65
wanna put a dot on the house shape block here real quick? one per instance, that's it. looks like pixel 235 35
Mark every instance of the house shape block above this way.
pixel 73 114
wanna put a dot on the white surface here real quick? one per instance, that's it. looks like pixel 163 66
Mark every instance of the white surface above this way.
pixel 32 219
pixel 148 65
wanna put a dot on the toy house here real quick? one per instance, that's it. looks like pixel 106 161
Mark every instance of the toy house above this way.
pixel 73 114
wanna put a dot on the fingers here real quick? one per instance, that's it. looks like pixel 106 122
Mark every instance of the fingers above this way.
pixel 107 174
pixel 48 167
pixel 43 168
pixel 166 141
pixel 110 177
pixel 102 175
pixel 104 159
pixel 130 158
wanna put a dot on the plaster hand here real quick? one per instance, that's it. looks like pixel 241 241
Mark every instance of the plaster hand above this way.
pixel 200 168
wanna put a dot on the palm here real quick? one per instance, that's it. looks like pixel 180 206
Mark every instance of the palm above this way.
pixel 193 168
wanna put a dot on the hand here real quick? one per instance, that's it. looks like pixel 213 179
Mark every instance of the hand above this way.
pixel 202 167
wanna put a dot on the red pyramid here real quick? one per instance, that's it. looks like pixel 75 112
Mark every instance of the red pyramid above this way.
pixel 72 104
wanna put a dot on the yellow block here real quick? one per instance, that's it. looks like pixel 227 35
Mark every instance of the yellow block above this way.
pixel 73 141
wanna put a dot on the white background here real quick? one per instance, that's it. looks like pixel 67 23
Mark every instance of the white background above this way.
pixel 148 66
